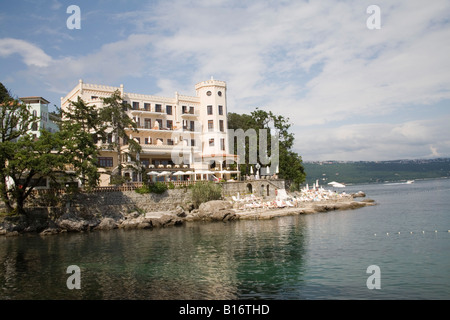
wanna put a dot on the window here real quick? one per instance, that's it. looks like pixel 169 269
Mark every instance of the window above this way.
pixel 160 123
pixel 221 110
pixel 221 128
pixel 192 126
pixel 222 144
pixel 192 142
pixel 109 138
pixel 219 93
pixel 210 125
pixel 184 109
pixel 169 124
pixel 169 109
pixel 191 110
pixel 147 106
pixel 148 140
pixel 138 140
pixel 158 108
pixel 34 126
pixel 135 105
pixel 208 93
pixel 170 142
pixel 147 123
pixel 94 97
pixel 105 161
pixel 211 142
pixel 209 110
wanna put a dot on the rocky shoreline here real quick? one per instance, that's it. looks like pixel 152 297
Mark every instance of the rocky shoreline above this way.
pixel 83 220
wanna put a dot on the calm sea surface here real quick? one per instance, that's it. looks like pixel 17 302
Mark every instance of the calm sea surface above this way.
pixel 320 256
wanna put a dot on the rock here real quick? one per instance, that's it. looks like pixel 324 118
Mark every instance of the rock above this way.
pixel 215 210
pixel 207 208
pixel 73 225
pixel 107 224
pixel 12 233
pixel 49 231
pixel 358 194
pixel 144 225
pixel 223 215
pixel 170 220
pixel 132 223
pixel 132 215
pixel 180 212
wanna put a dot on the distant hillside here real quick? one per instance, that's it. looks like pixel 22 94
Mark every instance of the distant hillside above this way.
pixel 380 171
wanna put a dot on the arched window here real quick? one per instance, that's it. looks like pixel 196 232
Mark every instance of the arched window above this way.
pixel 249 188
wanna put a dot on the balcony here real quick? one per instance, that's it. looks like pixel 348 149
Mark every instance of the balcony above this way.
pixel 155 128
pixel 188 128
pixel 148 111
pixel 190 113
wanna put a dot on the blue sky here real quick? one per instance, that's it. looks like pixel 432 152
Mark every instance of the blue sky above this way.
pixel 351 93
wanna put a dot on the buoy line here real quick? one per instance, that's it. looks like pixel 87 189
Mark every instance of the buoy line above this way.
pixel 412 232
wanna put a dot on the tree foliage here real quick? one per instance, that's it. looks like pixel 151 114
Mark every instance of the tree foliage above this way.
pixel 80 128
pixel 25 160
pixel 115 114
pixel 203 192
pixel 290 163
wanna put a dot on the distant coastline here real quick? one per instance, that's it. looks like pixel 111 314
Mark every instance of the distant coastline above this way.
pixel 364 172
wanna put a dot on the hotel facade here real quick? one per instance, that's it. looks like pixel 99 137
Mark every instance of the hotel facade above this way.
pixel 183 138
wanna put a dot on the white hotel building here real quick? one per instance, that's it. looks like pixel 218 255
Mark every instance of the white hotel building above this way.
pixel 185 136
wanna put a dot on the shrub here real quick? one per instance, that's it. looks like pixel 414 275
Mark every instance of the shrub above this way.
pixel 203 192
pixel 158 188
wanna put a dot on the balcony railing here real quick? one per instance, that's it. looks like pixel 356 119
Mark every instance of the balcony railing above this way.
pixel 190 113
pixel 149 127
pixel 149 110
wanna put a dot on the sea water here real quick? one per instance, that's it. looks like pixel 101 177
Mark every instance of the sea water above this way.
pixel 318 256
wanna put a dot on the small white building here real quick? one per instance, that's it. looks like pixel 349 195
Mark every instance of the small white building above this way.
pixel 39 107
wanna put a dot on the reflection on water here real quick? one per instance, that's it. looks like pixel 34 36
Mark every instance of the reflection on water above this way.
pixel 320 256
pixel 250 259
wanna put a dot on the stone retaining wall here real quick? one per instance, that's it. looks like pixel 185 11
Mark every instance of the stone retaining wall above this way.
pixel 260 188
pixel 166 201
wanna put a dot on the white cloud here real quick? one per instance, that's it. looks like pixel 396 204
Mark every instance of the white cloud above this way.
pixel 312 61
pixel 31 54
pixel 376 141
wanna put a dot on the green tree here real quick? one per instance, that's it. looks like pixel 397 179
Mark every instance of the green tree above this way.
pixel 81 127
pixel 290 163
pixel 4 93
pixel 25 160
pixel 115 114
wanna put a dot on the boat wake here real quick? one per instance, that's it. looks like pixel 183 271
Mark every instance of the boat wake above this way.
pixel 399 183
